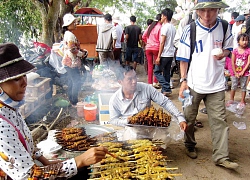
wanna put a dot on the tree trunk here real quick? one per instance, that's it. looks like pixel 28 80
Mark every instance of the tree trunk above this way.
pixel 52 18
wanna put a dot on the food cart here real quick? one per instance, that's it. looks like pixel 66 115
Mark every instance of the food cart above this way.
pixel 86 31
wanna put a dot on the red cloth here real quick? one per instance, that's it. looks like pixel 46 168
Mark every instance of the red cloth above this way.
pixel 232 21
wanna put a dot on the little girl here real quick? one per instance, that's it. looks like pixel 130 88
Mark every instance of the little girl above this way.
pixel 240 68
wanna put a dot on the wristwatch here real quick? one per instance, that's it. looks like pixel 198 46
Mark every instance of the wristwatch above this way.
pixel 183 79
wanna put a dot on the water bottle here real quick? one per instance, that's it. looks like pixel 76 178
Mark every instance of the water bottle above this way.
pixel 187 100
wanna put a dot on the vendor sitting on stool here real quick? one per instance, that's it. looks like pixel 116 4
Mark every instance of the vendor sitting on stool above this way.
pixel 134 97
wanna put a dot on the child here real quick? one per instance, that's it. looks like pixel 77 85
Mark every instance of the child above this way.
pixel 240 67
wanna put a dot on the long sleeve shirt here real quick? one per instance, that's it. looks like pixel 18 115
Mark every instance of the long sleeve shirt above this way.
pixel 12 147
pixel 153 41
pixel 120 108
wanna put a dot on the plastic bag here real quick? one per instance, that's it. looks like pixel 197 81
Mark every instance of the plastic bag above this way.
pixel 187 100
pixel 55 61
pixel 240 125
pixel 237 108
pixel 164 134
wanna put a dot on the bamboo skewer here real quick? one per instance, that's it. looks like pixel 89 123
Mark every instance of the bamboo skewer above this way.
pixel 115 156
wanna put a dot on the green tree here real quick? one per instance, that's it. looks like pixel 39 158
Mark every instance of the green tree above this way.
pixel 23 16
pixel 17 17
pixel 142 13
pixel 161 4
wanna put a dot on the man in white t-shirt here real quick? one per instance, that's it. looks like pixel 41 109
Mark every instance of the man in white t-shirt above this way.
pixel 236 29
pixel 205 78
pixel 118 45
pixel 166 52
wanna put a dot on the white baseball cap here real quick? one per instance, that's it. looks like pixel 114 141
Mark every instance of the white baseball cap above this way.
pixel 246 12
pixel 68 19
pixel 116 19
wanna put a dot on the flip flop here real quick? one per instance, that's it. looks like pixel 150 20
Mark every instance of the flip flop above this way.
pixel 203 110
pixel 198 124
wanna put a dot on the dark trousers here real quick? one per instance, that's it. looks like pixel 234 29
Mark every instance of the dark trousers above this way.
pixel 162 73
pixel 83 174
pixel 74 84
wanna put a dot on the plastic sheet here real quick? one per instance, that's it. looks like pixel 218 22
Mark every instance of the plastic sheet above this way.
pixel 164 134
pixel 240 125
pixel 237 108
pixel 55 61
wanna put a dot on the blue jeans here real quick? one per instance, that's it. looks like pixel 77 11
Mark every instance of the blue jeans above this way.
pixel 162 73
pixel 74 84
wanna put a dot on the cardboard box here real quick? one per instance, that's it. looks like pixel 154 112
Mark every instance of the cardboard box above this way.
pixel 103 99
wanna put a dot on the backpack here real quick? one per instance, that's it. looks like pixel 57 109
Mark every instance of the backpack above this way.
pixel 193 36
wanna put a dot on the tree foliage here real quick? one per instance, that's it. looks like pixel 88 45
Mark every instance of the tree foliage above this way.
pixel 115 5
pixel 17 17
pixel 161 4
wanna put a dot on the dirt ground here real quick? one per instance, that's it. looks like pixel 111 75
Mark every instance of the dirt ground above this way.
pixel 203 167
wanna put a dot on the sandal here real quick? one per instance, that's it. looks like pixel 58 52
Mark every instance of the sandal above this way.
pixel 203 110
pixel 198 124
pixel 228 104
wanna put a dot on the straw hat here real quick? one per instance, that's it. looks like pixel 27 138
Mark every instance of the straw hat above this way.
pixel 68 19
pixel 201 4
pixel 12 64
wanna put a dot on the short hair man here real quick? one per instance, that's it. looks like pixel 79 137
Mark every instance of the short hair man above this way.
pixel 120 39
pixel 106 40
pixel 133 36
pixel 205 78
pixel 134 97
pixel 166 52
pixel 234 15
pixel 236 30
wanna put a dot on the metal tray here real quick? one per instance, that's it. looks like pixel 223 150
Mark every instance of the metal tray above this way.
pixel 94 129
pixel 144 126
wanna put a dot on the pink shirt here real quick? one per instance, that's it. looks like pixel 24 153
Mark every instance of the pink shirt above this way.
pixel 153 41
pixel 228 65
pixel 241 61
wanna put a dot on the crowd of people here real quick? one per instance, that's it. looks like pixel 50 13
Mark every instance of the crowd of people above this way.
pixel 202 57
pixel 201 72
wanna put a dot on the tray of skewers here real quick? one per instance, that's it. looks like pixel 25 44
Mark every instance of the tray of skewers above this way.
pixel 79 139
pixel 138 159
pixel 150 117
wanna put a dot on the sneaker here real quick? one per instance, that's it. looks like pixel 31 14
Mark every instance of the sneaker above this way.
pixel 171 84
pixel 228 164
pixel 191 152
pixel 203 110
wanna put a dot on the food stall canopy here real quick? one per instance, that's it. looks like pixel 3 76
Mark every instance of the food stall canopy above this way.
pixel 87 11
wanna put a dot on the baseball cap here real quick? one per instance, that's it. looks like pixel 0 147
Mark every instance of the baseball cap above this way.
pixel 240 18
